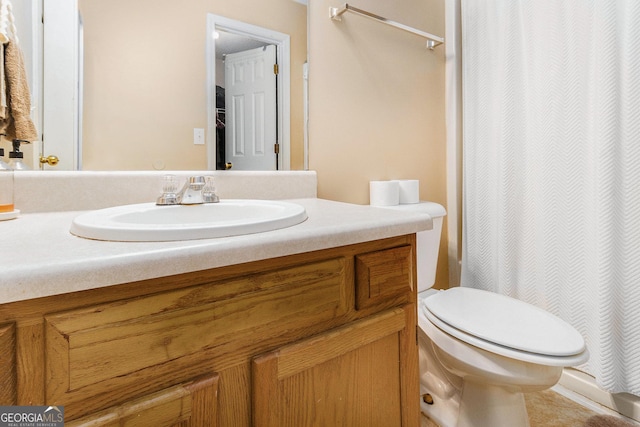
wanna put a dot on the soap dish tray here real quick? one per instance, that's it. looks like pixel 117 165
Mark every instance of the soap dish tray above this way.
pixel 9 215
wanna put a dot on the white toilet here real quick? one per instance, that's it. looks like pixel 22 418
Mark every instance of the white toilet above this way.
pixel 479 351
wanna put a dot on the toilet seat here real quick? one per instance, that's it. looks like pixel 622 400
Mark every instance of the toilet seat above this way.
pixel 505 326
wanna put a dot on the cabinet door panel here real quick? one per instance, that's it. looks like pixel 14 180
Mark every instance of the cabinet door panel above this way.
pixel 192 404
pixel 350 376
pixel 8 364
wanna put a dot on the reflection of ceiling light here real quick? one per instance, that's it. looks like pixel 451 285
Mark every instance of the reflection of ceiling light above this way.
pixel 216 35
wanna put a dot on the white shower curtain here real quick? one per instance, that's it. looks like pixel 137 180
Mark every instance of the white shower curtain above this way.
pixel 551 107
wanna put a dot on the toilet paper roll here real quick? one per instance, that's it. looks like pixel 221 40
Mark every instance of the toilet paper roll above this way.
pixel 384 193
pixel 409 191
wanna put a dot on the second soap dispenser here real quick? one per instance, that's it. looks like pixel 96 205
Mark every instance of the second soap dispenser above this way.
pixel 7 210
pixel 16 157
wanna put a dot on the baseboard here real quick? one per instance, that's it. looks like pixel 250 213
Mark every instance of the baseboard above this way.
pixel 584 384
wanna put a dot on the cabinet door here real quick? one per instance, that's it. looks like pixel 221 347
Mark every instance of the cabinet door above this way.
pixel 8 374
pixel 361 374
pixel 192 404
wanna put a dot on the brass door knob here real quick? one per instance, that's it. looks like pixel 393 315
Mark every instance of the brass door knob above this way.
pixel 228 165
pixel 50 160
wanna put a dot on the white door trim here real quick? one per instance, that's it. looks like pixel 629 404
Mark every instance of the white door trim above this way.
pixel 282 43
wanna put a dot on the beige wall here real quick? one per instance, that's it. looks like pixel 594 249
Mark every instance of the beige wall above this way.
pixel 145 78
pixel 377 107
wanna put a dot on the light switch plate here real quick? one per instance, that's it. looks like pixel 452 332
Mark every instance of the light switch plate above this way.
pixel 198 136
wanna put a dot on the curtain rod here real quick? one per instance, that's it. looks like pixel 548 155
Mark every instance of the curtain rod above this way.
pixel 336 13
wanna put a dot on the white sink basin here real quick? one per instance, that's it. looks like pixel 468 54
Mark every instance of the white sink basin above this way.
pixel 147 222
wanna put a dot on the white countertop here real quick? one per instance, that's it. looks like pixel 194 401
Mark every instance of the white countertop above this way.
pixel 39 257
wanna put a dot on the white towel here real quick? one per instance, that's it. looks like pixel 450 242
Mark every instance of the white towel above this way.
pixel 7 22
pixel 3 86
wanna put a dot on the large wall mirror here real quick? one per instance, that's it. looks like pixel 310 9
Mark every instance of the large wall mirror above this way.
pixel 147 84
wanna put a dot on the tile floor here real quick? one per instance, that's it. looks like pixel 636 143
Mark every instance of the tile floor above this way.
pixel 550 409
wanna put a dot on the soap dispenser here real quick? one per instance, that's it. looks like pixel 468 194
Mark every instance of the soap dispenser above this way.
pixel 4 166
pixel 6 189
pixel 16 161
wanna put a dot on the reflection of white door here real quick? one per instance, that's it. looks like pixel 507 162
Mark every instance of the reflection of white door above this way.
pixel 60 82
pixel 250 103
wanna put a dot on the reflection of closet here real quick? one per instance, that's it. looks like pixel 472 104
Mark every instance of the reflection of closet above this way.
pixel 220 128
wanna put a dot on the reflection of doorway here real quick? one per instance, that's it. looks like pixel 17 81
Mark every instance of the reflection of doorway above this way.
pixel 262 142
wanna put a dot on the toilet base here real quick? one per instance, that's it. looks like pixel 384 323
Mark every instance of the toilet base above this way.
pixel 443 410
pixel 471 387
pixel 484 405
pixel 479 405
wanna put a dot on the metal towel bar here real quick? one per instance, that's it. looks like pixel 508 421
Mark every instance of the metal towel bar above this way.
pixel 432 41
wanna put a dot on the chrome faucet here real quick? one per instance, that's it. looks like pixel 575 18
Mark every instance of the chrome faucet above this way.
pixel 191 193
pixel 197 190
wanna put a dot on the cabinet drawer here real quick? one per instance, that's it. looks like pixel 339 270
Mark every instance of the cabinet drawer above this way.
pixel 384 277
pixel 109 347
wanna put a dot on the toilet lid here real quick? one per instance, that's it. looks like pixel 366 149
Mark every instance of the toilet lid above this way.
pixel 505 321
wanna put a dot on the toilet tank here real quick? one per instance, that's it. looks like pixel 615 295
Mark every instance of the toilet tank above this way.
pixel 427 242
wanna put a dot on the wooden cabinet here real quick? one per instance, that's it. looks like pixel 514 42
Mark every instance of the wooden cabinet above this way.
pixel 323 338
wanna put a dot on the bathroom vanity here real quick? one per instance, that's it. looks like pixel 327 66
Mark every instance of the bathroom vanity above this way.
pixel 314 324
